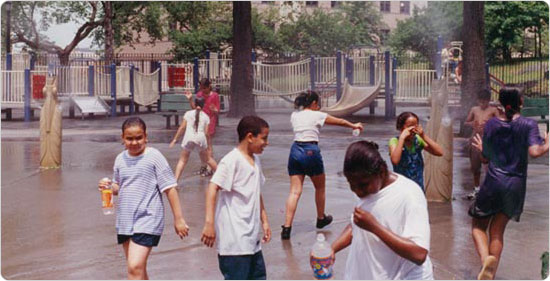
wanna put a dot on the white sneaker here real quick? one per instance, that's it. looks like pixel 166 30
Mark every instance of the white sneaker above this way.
pixel 473 194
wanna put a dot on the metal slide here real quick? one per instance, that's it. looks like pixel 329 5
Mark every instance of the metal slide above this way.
pixel 88 105
pixel 353 99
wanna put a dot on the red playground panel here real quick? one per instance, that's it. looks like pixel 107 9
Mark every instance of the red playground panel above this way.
pixel 176 77
pixel 38 83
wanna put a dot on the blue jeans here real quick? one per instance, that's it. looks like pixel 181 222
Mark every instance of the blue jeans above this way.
pixel 305 159
pixel 246 267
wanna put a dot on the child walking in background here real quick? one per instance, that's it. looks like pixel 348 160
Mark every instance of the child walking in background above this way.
pixel 406 149
pixel 477 117
pixel 140 175
pixel 389 232
pixel 238 215
pixel 507 143
pixel 305 157
pixel 195 123
pixel 212 109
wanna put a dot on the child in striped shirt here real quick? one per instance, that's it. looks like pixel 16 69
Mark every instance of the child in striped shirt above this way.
pixel 140 175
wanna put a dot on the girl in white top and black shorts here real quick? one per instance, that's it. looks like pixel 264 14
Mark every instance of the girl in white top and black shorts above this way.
pixel 305 156
pixel 196 135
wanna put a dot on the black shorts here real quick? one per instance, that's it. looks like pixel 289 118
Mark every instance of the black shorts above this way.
pixel 143 239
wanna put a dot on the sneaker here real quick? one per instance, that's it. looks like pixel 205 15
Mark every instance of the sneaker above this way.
pixel 472 195
pixel 201 170
pixel 324 221
pixel 285 234
pixel 489 268
pixel 207 173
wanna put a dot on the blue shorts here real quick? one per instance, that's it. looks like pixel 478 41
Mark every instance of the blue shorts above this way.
pixel 143 239
pixel 246 267
pixel 305 159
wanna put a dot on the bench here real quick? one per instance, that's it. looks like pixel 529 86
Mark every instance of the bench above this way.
pixel 533 107
pixel 173 105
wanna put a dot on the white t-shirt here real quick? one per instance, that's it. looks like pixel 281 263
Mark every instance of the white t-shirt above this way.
pixel 402 208
pixel 190 133
pixel 237 221
pixel 306 124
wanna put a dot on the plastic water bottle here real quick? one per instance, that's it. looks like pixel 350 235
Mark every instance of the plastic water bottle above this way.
pixel 321 259
pixel 107 197
pixel 355 132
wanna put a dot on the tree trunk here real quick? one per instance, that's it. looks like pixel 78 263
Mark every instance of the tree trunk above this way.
pixel 109 35
pixel 63 57
pixel 242 100
pixel 473 64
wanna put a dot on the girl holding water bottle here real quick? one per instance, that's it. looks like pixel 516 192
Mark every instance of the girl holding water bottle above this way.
pixel 140 175
pixel 305 156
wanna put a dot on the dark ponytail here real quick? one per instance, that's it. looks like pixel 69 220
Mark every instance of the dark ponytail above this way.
pixel 510 99
pixel 305 99
pixel 199 103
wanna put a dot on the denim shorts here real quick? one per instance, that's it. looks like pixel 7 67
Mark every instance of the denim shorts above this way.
pixel 143 239
pixel 246 267
pixel 305 159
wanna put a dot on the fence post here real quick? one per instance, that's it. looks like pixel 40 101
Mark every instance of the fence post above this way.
pixel 312 72
pixel 132 88
pixel 349 70
pixel 393 85
pixel 32 61
pixel 438 69
pixel 27 95
pixel 8 61
pixel 372 105
pixel 91 80
pixel 387 86
pixel 159 67
pixel 208 64
pixel 338 75
pixel 196 74
pixel 487 77
pixel 113 90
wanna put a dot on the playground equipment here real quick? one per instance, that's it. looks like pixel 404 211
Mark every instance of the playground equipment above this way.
pixel 50 127
pixel 353 99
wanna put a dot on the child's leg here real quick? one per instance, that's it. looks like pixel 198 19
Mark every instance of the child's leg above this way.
pixel 479 234
pixel 475 165
pixel 496 234
pixel 319 184
pixel 296 186
pixel 184 157
pixel 210 146
pixel 137 261
pixel 206 158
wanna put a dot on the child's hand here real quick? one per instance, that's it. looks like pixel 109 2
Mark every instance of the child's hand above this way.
pixel 182 229
pixel 358 126
pixel 418 130
pixel 172 143
pixel 406 132
pixel 208 236
pixel 364 219
pixel 267 232
pixel 477 143
pixel 104 183
pixel 188 94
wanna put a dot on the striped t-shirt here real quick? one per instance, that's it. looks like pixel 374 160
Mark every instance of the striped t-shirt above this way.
pixel 142 179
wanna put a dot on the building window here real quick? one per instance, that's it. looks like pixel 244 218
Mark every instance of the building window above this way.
pixel 385 6
pixel 312 3
pixel 334 4
pixel 405 7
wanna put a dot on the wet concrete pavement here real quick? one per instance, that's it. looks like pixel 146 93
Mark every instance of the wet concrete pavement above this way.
pixel 53 227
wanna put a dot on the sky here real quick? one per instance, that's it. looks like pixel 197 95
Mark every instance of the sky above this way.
pixel 62 35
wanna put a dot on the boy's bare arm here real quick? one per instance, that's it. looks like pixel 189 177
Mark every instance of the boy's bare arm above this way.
pixel 471 117
pixel 402 246
pixel 265 224
pixel 182 229
pixel 209 232
pixel 343 240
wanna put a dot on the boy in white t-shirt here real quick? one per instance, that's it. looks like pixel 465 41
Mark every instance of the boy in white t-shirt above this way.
pixel 239 214
pixel 389 233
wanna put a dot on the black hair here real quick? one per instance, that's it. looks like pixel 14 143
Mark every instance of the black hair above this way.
pixel 484 94
pixel 134 121
pixel 402 118
pixel 199 102
pixel 510 99
pixel 250 124
pixel 363 159
pixel 305 99
pixel 205 82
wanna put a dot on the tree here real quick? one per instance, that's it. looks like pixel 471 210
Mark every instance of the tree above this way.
pixel 28 29
pixel 242 101
pixel 473 77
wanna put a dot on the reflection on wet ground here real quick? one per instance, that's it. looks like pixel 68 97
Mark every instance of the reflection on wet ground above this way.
pixel 53 228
